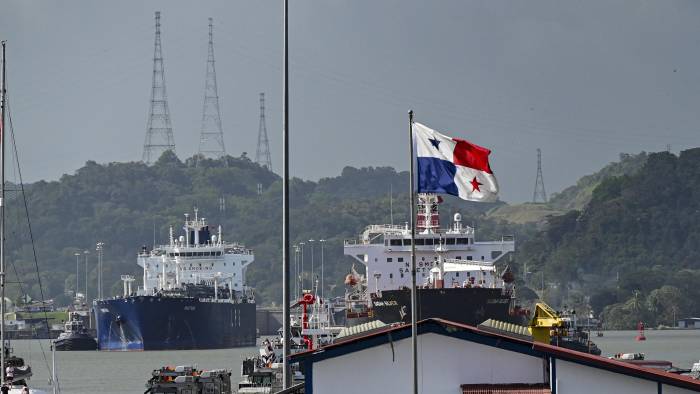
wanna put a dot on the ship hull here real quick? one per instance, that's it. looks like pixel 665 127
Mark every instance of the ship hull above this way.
pixel 471 306
pixel 173 323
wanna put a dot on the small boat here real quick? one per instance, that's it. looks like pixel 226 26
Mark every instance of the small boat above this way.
pixel 639 359
pixel 189 380
pixel 75 336
pixel 262 373
pixel 695 371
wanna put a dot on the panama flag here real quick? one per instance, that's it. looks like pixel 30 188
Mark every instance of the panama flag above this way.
pixel 451 165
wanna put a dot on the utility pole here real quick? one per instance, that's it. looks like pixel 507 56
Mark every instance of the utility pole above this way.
pixel 100 247
pixel 159 132
pixel 322 241
pixel 77 272
pixel 86 252
pixel 301 269
pixel 211 139
pixel 313 280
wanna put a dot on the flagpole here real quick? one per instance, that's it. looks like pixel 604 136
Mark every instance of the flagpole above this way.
pixel 414 301
pixel 286 374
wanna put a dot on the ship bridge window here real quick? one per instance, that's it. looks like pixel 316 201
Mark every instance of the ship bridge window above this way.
pixel 449 241
pixel 495 254
pixel 395 242
pixel 407 242
pixel 429 241
pixel 469 258
pixel 389 259
pixel 460 258
pixel 462 241
pixel 420 241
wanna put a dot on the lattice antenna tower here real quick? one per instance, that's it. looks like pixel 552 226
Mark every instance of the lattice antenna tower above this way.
pixel 539 195
pixel 159 132
pixel 211 139
pixel 262 155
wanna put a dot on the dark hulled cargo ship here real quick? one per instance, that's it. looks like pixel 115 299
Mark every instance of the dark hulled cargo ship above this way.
pixel 457 277
pixel 194 297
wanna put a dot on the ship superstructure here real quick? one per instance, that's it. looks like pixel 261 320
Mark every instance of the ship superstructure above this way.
pixel 385 250
pixel 193 296
pixel 197 257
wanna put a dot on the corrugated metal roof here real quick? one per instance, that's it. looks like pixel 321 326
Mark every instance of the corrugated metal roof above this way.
pixel 360 329
pixel 506 328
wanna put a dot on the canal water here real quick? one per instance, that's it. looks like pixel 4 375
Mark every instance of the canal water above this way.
pixel 127 372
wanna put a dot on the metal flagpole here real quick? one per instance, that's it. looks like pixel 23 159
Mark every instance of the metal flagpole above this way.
pixel 414 301
pixel 287 378
pixel 3 92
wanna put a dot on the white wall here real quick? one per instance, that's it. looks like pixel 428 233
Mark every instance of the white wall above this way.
pixel 445 363
pixel 574 378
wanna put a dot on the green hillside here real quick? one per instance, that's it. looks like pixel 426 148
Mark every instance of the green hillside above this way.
pixel 634 249
pixel 573 197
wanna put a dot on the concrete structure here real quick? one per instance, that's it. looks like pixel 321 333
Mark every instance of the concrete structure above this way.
pixel 456 358
pixel 689 322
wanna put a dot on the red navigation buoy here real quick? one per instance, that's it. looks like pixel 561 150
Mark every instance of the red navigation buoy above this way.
pixel 640 328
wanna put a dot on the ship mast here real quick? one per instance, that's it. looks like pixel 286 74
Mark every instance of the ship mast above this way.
pixel 3 104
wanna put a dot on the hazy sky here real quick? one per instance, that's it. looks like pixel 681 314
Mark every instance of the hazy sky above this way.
pixel 583 80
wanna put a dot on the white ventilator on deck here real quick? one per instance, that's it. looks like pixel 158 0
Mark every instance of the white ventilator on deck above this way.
pixel 126 280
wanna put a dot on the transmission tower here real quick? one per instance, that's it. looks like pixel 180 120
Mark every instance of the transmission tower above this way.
pixel 539 195
pixel 262 155
pixel 211 139
pixel 159 133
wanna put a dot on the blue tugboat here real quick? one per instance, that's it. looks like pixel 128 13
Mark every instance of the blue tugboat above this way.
pixel 194 297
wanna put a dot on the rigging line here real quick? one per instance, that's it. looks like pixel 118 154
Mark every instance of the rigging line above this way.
pixel 29 226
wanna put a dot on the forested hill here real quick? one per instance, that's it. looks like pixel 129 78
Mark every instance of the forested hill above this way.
pixel 643 229
pixel 126 205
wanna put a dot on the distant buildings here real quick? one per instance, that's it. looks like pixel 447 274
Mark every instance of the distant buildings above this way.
pixel 689 322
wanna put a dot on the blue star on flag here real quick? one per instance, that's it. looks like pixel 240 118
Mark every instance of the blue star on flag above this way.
pixel 435 142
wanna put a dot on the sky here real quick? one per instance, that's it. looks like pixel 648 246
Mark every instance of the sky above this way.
pixel 582 80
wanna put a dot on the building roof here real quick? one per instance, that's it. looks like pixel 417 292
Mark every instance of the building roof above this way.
pixel 494 339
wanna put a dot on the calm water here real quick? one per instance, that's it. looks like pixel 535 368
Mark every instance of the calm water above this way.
pixel 118 373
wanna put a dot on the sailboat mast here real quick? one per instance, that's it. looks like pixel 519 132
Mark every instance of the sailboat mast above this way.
pixel 3 105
